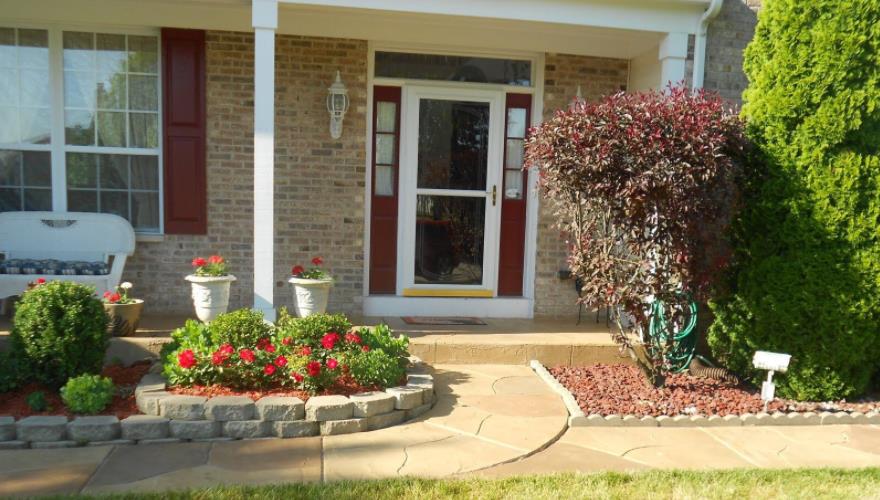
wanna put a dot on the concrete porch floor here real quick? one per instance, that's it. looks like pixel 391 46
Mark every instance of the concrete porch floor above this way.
pixel 500 341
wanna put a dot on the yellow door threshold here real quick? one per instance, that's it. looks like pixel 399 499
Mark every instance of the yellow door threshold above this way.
pixel 440 292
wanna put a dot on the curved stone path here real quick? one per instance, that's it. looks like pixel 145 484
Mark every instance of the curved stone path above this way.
pixel 485 415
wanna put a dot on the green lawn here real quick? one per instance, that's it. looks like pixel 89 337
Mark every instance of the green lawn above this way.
pixel 764 484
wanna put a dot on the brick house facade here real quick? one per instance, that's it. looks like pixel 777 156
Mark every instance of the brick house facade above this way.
pixel 321 195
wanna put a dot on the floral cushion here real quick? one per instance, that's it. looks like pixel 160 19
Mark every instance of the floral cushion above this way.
pixel 52 266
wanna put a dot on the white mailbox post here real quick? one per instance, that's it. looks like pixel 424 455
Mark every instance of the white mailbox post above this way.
pixel 772 362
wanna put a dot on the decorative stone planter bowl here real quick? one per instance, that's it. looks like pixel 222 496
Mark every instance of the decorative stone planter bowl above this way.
pixel 210 295
pixel 124 318
pixel 310 296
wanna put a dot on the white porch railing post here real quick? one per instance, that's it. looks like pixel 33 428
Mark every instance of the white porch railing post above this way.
pixel 672 55
pixel 265 22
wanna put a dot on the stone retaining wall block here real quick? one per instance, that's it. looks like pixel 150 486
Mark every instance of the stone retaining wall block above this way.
pixel 368 404
pixel 7 428
pixel 194 429
pixel 385 420
pixel 347 426
pixel 406 397
pixel 323 408
pixel 94 428
pixel 13 445
pixel 418 411
pixel 138 427
pixel 280 408
pixel 148 401
pixel 41 429
pixel 183 407
pixel 245 429
pixel 294 428
pixel 226 408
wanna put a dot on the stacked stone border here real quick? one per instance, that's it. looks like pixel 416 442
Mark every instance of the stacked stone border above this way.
pixel 577 417
pixel 172 418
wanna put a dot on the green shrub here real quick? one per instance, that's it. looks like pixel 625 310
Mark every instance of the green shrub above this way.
pixel 239 328
pixel 12 371
pixel 806 279
pixel 376 367
pixel 60 330
pixel 36 401
pixel 87 394
pixel 381 337
pixel 310 330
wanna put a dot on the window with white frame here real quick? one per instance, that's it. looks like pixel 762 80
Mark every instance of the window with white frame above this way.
pixel 100 132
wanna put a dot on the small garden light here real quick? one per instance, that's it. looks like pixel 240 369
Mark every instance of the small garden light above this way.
pixel 772 362
pixel 337 105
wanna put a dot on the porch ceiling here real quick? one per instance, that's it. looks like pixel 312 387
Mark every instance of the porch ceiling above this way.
pixel 605 28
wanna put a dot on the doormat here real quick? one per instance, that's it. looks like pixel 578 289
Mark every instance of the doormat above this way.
pixel 445 321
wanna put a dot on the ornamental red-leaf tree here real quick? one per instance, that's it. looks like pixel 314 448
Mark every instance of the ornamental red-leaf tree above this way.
pixel 643 187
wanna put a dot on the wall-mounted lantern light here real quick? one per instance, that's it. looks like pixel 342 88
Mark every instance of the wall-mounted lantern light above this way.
pixel 337 105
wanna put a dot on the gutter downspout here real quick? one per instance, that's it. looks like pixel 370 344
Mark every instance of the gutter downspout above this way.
pixel 700 43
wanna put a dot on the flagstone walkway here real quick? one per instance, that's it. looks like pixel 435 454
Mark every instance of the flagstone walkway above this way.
pixel 490 420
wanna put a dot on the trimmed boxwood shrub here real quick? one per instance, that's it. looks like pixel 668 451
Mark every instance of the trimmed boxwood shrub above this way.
pixel 87 394
pixel 60 331
pixel 807 272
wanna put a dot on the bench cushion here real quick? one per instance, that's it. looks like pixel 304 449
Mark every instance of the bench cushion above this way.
pixel 53 267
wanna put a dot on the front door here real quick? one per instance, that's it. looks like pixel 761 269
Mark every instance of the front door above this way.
pixel 450 192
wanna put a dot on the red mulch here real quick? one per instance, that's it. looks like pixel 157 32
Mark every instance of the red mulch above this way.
pixel 623 390
pixel 125 378
pixel 345 386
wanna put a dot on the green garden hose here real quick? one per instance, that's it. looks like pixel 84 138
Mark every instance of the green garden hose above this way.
pixel 684 341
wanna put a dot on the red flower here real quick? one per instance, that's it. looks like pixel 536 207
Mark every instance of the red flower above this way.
pixel 332 363
pixel 215 259
pixel 353 338
pixel 307 351
pixel 317 261
pixel 113 298
pixel 297 270
pixel 314 368
pixel 329 340
pixel 227 349
pixel 280 361
pixel 217 358
pixel 40 281
pixel 269 369
pixel 106 294
pixel 199 262
pixel 186 359
pixel 296 376
pixel 264 343
pixel 270 348
pixel 365 348
pixel 246 355
pixel 287 340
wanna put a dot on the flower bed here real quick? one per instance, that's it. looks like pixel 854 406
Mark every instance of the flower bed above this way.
pixel 611 393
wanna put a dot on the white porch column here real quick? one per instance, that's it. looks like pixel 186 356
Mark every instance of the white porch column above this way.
pixel 265 22
pixel 672 56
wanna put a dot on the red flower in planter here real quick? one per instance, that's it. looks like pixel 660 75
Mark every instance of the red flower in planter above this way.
pixel 329 340
pixel 306 351
pixel 215 259
pixel 280 361
pixel 297 270
pixel 314 368
pixel 365 348
pixel 199 262
pixel 296 376
pixel 332 363
pixel 269 369
pixel 186 359
pixel 317 261
pixel 246 355
pixel 41 281
pixel 352 338
pixel 217 358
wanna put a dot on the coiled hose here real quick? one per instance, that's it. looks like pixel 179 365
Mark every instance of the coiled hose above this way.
pixel 684 341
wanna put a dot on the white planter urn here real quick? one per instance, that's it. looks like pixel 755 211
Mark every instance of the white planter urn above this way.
pixel 310 296
pixel 210 295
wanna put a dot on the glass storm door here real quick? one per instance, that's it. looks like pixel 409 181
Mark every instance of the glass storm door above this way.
pixel 450 197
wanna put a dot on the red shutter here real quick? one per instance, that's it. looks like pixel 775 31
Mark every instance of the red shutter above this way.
pixel 383 203
pixel 183 134
pixel 511 259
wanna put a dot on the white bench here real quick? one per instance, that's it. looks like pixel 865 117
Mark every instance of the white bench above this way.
pixel 87 248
